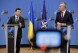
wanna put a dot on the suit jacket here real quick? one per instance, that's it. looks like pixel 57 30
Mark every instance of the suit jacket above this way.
pixel 21 20
pixel 66 19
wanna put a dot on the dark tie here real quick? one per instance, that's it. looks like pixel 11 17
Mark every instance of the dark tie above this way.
pixel 17 20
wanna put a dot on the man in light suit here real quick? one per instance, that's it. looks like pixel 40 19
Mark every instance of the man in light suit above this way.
pixel 64 18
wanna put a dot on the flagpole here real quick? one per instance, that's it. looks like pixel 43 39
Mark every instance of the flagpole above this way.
pixel 31 19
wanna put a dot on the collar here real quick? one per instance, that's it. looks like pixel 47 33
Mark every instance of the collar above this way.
pixel 64 11
pixel 16 16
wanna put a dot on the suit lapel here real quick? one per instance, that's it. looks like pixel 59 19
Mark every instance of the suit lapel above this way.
pixel 65 14
pixel 60 14
pixel 14 19
pixel 19 18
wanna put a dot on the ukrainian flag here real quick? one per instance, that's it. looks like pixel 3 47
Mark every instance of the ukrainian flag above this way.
pixel 31 24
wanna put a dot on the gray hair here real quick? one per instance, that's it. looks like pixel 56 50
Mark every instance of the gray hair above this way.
pixel 63 3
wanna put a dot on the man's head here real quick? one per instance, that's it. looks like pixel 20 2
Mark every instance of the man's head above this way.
pixel 18 11
pixel 62 6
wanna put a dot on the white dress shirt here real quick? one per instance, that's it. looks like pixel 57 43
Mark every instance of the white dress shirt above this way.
pixel 16 17
pixel 63 13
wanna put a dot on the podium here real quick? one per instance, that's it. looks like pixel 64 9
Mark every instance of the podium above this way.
pixel 11 36
pixel 67 36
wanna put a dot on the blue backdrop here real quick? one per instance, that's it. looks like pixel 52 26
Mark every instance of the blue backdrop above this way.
pixel 51 6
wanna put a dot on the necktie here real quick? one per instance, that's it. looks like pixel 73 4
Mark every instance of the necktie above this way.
pixel 17 20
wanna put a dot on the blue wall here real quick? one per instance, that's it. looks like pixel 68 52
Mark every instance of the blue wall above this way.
pixel 51 6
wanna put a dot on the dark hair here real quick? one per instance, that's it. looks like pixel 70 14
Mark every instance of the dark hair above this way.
pixel 17 9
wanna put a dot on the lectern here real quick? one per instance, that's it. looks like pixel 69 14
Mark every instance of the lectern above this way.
pixel 11 36
pixel 67 36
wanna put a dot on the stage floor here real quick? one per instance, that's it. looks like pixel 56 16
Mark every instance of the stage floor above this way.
pixel 27 50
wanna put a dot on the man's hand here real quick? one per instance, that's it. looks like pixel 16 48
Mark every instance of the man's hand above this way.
pixel 63 24
pixel 66 37
pixel 59 24
pixel 20 24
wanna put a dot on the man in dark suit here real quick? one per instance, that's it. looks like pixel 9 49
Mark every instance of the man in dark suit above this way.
pixel 64 18
pixel 17 19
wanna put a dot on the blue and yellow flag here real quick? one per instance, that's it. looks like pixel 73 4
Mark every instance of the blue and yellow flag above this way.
pixel 31 23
